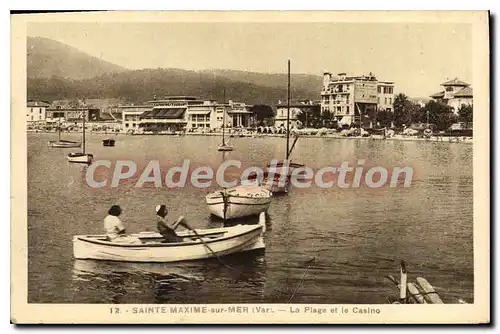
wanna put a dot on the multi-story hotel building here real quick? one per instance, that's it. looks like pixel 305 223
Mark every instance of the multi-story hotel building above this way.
pixel 350 99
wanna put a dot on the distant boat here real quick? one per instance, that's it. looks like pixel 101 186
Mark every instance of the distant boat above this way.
pixel 108 142
pixel 224 147
pixel 202 244
pixel 239 201
pixel 63 143
pixel 81 157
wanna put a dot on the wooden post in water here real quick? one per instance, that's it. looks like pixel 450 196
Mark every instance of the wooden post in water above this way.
pixel 403 283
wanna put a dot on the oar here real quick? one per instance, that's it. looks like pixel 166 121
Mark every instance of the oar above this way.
pixel 186 225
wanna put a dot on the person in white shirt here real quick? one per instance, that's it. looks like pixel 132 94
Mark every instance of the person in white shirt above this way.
pixel 115 230
pixel 112 224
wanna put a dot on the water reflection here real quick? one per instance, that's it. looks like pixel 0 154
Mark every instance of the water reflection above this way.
pixel 194 281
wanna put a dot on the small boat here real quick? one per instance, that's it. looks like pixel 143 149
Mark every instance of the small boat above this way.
pixel 81 157
pixel 108 142
pixel 225 148
pixel 214 242
pixel 63 143
pixel 239 201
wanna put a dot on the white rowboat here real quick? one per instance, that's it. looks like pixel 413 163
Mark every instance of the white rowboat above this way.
pixel 239 201
pixel 220 241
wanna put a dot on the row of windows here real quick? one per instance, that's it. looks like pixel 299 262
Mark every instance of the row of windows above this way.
pixel 132 124
pixel 200 118
pixel 338 88
pixel 385 90
pixel 170 104
pixel 387 100
pixel 340 109
pixel 34 110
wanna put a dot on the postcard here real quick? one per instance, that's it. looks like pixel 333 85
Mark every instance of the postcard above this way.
pixel 250 167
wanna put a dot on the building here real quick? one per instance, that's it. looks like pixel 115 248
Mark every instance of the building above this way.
pixel 36 112
pixel 296 108
pixel 167 114
pixel 72 114
pixel 173 113
pixel 239 115
pixel 455 94
pixel 350 99
pixel 130 116
pixel 385 95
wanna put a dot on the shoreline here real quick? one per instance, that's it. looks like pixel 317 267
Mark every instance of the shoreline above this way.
pixel 436 139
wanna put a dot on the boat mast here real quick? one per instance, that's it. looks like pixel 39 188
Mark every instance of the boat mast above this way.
pixel 224 116
pixel 83 131
pixel 288 115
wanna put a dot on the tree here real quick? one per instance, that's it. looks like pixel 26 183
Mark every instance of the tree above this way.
pixel 440 114
pixel 326 118
pixel 465 114
pixel 310 116
pixel 406 112
pixel 402 113
pixel 384 118
pixel 262 112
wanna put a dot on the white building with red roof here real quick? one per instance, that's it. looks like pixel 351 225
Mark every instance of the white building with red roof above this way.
pixel 456 93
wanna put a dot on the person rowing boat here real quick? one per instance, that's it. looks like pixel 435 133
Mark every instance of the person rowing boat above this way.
pixel 164 228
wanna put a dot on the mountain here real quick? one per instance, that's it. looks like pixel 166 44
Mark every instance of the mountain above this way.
pixel 306 82
pixel 47 58
pixel 141 85
pixel 57 71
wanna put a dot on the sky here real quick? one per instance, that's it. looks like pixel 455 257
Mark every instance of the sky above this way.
pixel 417 57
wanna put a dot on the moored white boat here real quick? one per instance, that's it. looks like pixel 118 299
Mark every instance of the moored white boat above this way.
pixel 215 242
pixel 61 143
pixel 239 201
pixel 225 148
pixel 64 144
pixel 83 158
